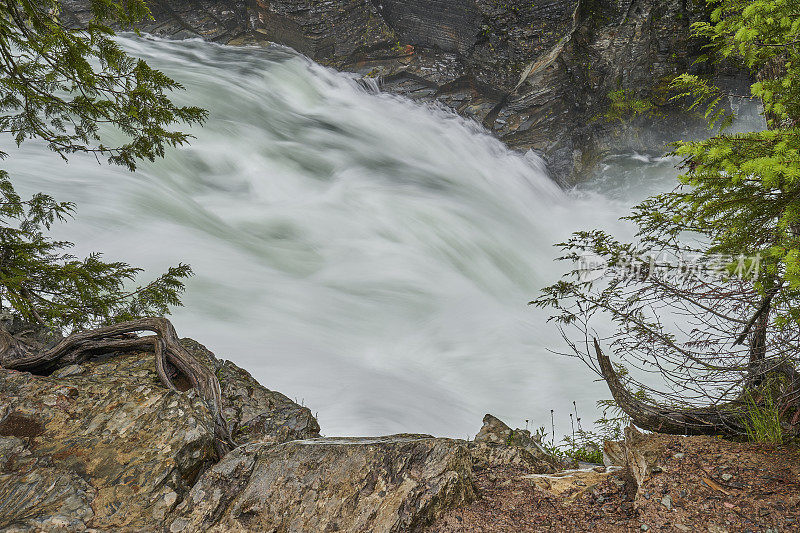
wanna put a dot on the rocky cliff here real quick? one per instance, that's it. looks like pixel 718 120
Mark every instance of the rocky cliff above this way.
pixel 104 445
pixel 537 73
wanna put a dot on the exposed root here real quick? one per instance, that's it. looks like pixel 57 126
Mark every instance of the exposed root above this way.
pixel 16 354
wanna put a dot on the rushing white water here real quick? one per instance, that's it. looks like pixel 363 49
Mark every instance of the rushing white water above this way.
pixel 366 255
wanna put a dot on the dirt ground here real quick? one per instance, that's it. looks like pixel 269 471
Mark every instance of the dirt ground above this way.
pixel 698 484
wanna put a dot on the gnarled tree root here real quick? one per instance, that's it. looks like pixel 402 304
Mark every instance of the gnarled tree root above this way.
pixel 724 419
pixel 16 354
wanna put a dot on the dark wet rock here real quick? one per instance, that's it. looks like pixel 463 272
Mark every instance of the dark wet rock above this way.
pixel 376 485
pixel 536 73
pixel 66 371
pixel 105 445
pixel 498 445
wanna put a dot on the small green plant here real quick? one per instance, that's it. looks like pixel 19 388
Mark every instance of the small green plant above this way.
pixel 625 106
pixel 762 420
pixel 582 446
pixel 585 447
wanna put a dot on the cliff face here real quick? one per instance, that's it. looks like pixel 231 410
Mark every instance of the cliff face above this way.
pixel 535 72
pixel 105 446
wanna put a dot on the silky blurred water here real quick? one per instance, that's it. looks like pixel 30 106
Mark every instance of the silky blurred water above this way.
pixel 366 255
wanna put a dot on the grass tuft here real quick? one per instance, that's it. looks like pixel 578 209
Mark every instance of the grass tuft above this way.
pixel 763 419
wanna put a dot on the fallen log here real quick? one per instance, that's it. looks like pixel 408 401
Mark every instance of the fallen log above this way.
pixel 725 419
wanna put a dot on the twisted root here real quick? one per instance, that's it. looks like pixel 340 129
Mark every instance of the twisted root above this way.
pixel 16 354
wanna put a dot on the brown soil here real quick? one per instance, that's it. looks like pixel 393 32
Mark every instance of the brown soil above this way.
pixel 704 484
pixel 16 425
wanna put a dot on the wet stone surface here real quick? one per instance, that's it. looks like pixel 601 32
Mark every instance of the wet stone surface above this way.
pixel 106 445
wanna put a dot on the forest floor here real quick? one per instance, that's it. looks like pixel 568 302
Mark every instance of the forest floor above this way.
pixel 699 484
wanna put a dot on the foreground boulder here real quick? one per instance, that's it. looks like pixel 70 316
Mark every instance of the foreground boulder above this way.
pixel 371 485
pixel 105 445
pixel 137 444
pixel 498 445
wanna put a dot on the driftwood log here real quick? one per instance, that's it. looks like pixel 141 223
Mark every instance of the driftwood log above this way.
pixel 723 419
pixel 17 353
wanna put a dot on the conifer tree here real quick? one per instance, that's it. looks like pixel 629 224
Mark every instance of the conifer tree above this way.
pixel 71 88
pixel 707 296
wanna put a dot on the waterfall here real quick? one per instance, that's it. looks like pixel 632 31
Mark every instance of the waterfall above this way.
pixel 367 255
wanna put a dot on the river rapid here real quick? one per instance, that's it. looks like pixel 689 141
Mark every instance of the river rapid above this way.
pixel 367 256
